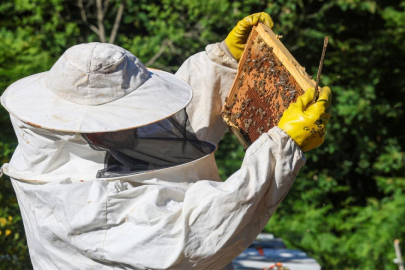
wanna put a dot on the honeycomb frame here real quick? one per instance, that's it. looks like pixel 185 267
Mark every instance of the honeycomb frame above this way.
pixel 268 80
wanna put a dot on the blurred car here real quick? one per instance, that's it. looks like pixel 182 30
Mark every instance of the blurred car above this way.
pixel 267 252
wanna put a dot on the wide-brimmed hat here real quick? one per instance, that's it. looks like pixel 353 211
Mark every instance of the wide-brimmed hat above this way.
pixel 96 87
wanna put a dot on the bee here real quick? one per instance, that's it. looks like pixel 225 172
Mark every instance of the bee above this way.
pixel 233 118
pixel 225 112
pixel 262 46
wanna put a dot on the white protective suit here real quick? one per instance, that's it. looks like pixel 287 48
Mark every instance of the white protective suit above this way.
pixel 181 217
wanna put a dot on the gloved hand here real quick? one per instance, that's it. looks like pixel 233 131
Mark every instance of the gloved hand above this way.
pixel 306 124
pixel 237 38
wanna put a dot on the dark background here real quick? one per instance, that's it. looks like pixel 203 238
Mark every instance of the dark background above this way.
pixel 347 204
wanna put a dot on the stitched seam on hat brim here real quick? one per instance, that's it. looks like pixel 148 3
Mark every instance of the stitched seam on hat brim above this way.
pixel 95 71
pixel 89 72
pixel 137 89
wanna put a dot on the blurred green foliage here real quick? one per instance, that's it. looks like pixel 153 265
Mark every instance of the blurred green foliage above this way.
pixel 348 203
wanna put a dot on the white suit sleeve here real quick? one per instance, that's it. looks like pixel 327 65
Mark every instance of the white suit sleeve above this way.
pixel 224 218
pixel 210 74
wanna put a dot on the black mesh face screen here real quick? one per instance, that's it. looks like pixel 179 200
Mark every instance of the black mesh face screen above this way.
pixel 114 140
pixel 167 143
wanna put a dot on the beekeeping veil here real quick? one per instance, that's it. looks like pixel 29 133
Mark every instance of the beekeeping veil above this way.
pixel 100 108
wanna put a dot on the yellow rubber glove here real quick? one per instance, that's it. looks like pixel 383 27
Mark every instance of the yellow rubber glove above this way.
pixel 237 38
pixel 307 125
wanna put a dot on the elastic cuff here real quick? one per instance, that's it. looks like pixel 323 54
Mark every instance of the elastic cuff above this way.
pixel 226 50
pixel 286 139
pixel 218 54
pixel 283 134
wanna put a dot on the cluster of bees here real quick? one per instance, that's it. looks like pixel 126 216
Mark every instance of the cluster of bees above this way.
pixel 262 108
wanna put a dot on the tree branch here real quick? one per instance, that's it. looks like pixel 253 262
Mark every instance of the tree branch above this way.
pixel 106 4
pixel 165 43
pixel 82 11
pixel 89 3
pixel 84 18
pixel 100 21
pixel 116 23
pixel 95 30
pixel 323 9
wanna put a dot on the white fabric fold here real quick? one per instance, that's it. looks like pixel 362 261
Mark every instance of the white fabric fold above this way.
pixel 204 225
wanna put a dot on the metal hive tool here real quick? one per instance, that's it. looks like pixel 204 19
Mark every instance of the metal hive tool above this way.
pixel 268 80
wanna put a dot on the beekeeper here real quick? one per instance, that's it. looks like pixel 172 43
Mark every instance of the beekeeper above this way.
pixel 114 167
